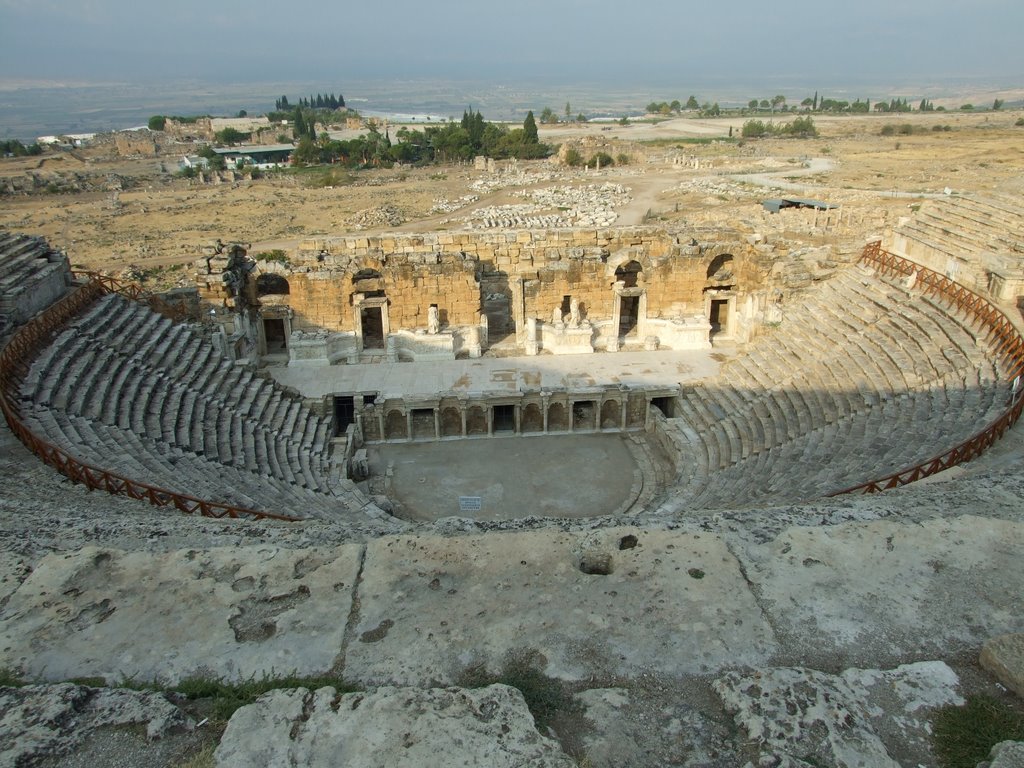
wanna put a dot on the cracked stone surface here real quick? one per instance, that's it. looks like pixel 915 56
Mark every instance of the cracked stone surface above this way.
pixel 232 613
pixel 44 721
pixel 430 607
pixel 876 592
pixel 387 727
pixel 802 717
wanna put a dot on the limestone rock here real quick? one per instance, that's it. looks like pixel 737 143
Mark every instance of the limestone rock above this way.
pixel 450 603
pixel 804 717
pixel 230 613
pixel 1005 754
pixel 1003 656
pixel 388 727
pixel 49 720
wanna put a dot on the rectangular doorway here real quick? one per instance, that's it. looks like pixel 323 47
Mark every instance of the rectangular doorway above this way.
pixel 273 334
pixel 629 310
pixel 372 321
pixel 719 318
pixel 504 418
pixel 344 413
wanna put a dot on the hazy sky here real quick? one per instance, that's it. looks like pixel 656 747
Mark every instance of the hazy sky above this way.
pixel 563 40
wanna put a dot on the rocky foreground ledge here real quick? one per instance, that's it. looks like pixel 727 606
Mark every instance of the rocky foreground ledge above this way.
pixel 827 634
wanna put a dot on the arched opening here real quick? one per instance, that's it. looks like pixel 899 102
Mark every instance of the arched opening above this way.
pixel 533 419
pixel 720 268
pixel 476 421
pixel 628 274
pixel 369 282
pixel 395 426
pixel 611 414
pixel 270 284
pixel 451 422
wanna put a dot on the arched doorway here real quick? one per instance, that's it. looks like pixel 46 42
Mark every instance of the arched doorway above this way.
pixel 533 418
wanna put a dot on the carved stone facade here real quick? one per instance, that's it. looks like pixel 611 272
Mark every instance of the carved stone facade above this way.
pixel 438 296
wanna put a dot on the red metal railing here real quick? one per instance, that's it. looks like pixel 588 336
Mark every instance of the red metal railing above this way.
pixel 1000 334
pixel 15 359
pixel 133 291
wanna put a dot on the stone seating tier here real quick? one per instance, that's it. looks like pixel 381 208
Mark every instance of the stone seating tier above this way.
pixel 812 407
pixel 120 371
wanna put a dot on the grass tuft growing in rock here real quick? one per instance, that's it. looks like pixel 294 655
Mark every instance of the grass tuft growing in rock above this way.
pixel 547 698
pixel 963 736
pixel 225 698
pixel 9 679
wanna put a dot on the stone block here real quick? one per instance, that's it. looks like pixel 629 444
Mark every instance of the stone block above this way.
pixel 435 727
pixel 1003 656
pixel 233 613
pixel 673 604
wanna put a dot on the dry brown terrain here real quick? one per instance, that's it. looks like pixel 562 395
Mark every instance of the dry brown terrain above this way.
pixel 134 214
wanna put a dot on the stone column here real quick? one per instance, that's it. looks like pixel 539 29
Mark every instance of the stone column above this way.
pixel 462 412
pixel 490 421
pixel 570 409
pixel 380 425
pixel 623 411
pixel 519 418
pixel 641 316
pixel 437 423
pixel 408 424
pixel 613 338
pixel 545 401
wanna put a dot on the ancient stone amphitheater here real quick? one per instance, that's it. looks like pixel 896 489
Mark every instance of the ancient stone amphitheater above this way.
pixel 757 556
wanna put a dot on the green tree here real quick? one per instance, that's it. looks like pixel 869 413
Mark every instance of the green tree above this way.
pixel 568 112
pixel 230 136
pixel 675 106
pixel 548 116
pixel 752 103
pixel 530 129
pixel 215 161
pixel 691 103
pixel 157 123
pixel 997 104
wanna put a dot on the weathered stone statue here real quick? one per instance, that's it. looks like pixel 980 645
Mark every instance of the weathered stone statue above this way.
pixel 574 312
pixel 556 315
pixel 433 320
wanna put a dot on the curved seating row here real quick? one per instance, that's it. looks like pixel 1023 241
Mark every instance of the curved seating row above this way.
pixel 183 415
pixel 862 378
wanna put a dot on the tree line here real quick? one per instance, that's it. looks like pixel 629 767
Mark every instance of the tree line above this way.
pixel 320 101
pixel 452 142
pixel 14 148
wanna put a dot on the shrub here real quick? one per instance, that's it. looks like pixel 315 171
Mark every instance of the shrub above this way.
pixel 1020 121
pixel 622 158
pixel 573 157
pixel 157 122
pixel 603 158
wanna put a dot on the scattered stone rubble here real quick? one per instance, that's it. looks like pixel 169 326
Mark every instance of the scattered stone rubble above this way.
pixel 387 215
pixel 584 206
pixel 444 205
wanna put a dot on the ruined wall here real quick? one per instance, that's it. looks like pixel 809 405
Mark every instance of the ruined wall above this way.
pixel 534 269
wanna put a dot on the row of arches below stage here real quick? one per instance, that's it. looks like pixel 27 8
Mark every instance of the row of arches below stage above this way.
pixel 482 420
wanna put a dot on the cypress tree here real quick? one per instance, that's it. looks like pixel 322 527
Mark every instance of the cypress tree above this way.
pixel 530 129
